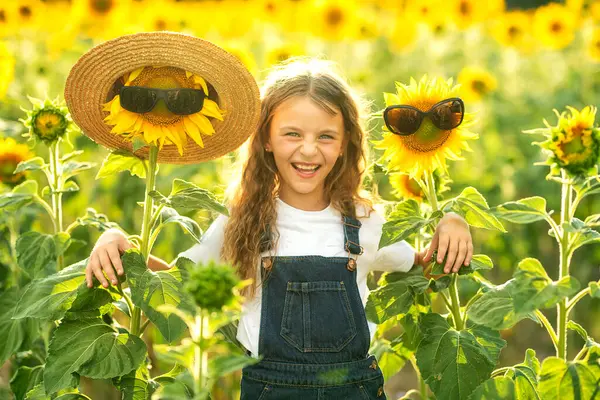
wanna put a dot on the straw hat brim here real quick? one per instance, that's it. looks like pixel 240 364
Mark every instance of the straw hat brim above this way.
pixel 95 73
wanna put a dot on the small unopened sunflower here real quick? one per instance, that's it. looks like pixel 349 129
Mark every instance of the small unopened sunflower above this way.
pixel 554 26
pixel 574 143
pixel 160 126
pixel 406 187
pixel 475 83
pixel 48 121
pixel 428 148
pixel 11 154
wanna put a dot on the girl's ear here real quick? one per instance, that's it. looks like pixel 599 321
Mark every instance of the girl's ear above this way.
pixel 268 147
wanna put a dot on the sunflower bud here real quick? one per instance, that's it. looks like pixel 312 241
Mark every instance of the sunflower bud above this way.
pixel 211 285
pixel 48 121
pixel 574 143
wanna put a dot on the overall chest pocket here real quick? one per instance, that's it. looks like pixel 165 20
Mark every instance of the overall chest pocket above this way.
pixel 317 316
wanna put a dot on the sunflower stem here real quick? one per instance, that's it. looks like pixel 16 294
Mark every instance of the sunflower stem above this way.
pixel 56 187
pixel 565 259
pixel 136 313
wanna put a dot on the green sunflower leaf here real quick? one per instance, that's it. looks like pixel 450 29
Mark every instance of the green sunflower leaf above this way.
pixel 151 289
pixel 25 379
pixel 523 211
pixel 567 380
pixel 187 196
pixel 20 196
pixel 33 164
pixel 454 363
pixel 120 160
pixel 473 207
pixel 13 332
pixel 403 222
pixel 90 347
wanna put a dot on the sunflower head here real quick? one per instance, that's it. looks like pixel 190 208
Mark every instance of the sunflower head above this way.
pixel 160 126
pixel 475 83
pixel 554 25
pixel 48 121
pixel 428 148
pixel 573 144
pixel 594 45
pixel 512 29
pixel 11 154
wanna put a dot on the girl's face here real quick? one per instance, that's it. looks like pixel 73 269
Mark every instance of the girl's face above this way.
pixel 306 142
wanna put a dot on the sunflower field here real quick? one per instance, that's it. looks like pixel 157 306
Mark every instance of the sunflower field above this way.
pixel 521 322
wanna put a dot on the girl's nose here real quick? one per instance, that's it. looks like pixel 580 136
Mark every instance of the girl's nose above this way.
pixel 308 148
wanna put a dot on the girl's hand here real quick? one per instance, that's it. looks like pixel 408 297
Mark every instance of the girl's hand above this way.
pixel 452 239
pixel 106 256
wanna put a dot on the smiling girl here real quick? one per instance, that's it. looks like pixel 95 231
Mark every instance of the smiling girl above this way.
pixel 301 227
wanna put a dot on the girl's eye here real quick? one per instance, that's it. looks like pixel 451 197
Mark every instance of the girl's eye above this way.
pixel 326 136
pixel 292 134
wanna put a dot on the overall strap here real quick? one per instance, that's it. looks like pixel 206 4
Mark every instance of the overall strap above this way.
pixel 351 241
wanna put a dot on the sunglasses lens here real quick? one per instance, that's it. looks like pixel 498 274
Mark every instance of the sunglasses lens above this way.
pixel 448 115
pixel 137 99
pixel 185 101
pixel 403 120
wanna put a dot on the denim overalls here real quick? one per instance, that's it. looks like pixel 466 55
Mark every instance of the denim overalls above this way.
pixel 314 337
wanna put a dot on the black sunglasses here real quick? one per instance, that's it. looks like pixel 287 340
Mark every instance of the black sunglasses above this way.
pixel 405 120
pixel 180 101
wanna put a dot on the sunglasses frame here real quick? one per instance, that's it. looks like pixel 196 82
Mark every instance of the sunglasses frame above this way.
pixel 161 94
pixel 423 114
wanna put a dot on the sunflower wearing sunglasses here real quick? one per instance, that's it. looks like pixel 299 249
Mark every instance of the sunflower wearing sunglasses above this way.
pixel 163 116
pixel 425 124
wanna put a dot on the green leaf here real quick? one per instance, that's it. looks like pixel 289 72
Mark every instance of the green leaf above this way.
pixel 594 289
pixel 225 364
pixel 97 220
pixel 523 211
pixel 530 289
pixel 453 362
pixel 396 296
pixel 391 356
pixel 12 331
pixel 589 341
pixel 37 252
pixel 20 196
pixel 136 385
pixel 564 380
pixel 73 168
pixel 473 207
pixel 499 388
pixel 70 186
pixel 121 160
pixel 91 348
pixel 50 298
pixel 589 186
pixel 479 262
pixel 71 155
pixel 33 164
pixel 402 223
pixel 151 289
pixel 441 283
pixel 25 379
pixel 182 354
pixel 169 215
pixel 582 234
pixel 185 195
pixel 138 143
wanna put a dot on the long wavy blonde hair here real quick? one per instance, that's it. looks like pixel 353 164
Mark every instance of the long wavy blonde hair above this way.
pixel 253 196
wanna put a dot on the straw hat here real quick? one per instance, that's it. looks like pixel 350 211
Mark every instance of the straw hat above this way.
pixel 91 83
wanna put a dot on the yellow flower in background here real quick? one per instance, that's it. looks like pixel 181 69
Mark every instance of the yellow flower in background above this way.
pixel 334 19
pixel 428 148
pixel 513 29
pixel 594 45
pixel 554 26
pixel 284 52
pixel 406 187
pixel 476 83
pixel 468 12
pixel 8 18
pixel 11 154
pixel 404 34
pixel 102 19
pixel 574 143
pixel 241 53
pixel 160 126
pixel 233 18
pixel 595 10
pixel 7 68
pixel 162 15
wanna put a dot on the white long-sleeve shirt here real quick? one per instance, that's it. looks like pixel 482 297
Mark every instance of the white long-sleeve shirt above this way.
pixel 304 233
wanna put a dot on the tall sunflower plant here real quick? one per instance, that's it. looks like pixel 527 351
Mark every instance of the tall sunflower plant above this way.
pixel 455 351
pixel 89 340
pixel 36 256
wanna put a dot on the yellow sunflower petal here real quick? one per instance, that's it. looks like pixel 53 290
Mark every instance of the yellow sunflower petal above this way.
pixel 199 81
pixel 203 123
pixel 133 75
pixel 193 131
pixel 211 109
pixel 125 123
pixel 174 138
